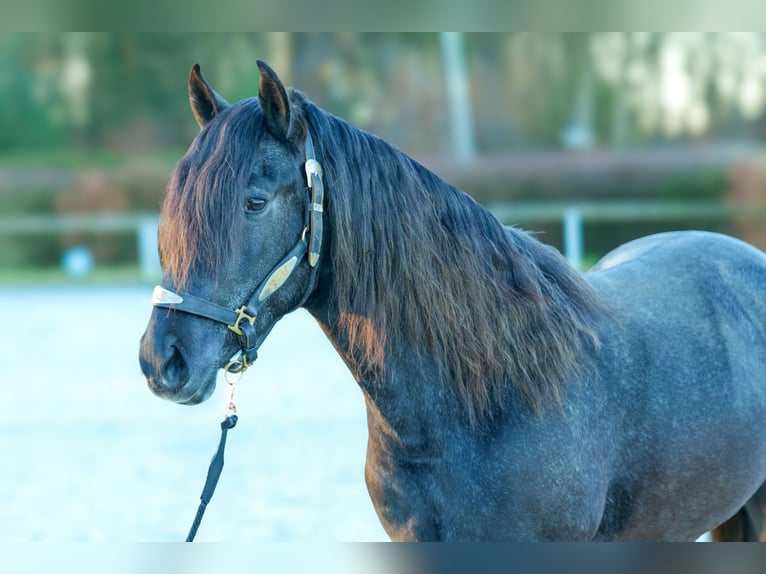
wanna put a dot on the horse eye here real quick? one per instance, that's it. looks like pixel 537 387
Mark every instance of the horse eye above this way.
pixel 254 204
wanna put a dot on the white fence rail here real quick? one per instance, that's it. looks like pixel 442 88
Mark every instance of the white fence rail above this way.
pixel 572 215
pixel 144 225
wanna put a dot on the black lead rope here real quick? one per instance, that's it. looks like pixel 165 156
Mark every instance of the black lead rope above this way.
pixel 216 464
pixel 213 474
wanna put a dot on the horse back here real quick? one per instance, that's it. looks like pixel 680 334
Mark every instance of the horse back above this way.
pixel 693 277
pixel 683 372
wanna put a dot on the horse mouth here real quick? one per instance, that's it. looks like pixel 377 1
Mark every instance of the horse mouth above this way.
pixel 189 393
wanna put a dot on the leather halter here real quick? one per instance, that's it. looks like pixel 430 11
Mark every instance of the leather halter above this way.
pixel 241 321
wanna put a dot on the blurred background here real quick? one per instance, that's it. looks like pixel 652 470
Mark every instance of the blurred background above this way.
pixel 640 131
pixel 588 139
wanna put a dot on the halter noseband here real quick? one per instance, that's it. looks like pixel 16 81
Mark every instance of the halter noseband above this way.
pixel 242 320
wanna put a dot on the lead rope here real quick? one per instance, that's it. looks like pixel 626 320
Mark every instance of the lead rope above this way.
pixel 216 464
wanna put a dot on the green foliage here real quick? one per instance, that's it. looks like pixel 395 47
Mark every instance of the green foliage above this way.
pixel 525 87
pixel 696 184
pixel 30 112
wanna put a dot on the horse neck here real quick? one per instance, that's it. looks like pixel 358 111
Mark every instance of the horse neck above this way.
pixel 406 404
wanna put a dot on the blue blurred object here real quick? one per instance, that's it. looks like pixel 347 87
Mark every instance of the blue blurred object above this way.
pixel 78 261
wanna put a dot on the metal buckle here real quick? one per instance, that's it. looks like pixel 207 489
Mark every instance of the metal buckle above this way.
pixel 237 366
pixel 241 315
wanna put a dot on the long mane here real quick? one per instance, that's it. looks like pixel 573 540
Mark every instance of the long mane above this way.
pixel 418 262
pixel 415 261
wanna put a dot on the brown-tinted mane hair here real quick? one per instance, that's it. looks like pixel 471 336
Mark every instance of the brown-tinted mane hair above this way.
pixel 419 263
pixel 200 215
pixel 415 261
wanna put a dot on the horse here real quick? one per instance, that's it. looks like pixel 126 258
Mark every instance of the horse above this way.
pixel 508 396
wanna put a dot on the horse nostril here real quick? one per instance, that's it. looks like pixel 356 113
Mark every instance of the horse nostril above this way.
pixel 174 369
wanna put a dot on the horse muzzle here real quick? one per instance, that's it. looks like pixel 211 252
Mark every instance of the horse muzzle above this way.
pixel 171 372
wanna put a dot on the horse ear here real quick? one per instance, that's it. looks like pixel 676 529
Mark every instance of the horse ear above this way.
pixel 205 102
pixel 274 103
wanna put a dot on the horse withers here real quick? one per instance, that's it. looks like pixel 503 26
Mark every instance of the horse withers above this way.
pixel 509 397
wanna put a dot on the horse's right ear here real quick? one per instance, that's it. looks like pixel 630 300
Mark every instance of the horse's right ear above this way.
pixel 205 102
pixel 274 102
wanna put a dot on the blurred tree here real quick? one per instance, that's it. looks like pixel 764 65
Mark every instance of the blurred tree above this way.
pixel 32 113
pixel 140 79
pixel 126 91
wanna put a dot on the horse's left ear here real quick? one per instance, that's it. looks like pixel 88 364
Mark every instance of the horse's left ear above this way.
pixel 274 103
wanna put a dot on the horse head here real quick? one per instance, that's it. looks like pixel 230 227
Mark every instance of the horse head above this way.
pixel 240 229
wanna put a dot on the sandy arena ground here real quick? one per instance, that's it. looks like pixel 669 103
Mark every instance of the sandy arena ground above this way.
pixel 89 454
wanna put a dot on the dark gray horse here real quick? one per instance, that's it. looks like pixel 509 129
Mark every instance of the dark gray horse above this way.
pixel 508 396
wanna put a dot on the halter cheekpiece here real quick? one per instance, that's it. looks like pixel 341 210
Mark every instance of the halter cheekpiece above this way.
pixel 241 321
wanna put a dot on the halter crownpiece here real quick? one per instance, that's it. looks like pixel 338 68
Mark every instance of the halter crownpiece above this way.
pixel 314 180
pixel 242 320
